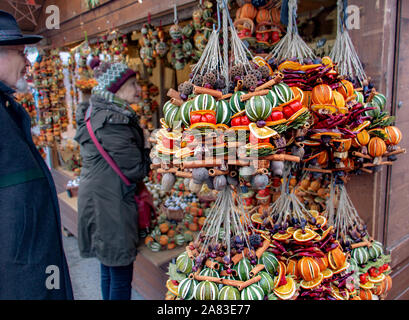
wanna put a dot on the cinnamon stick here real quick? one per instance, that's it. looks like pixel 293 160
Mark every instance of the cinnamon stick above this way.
pixel 385 163
pixel 317 170
pixel 201 164
pixel 247 96
pixel 171 170
pixel 241 163
pixel 262 171
pixel 212 264
pixel 176 102
pixel 217 172
pixel 249 282
pixel 237 257
pixel 277 78
pixel 360 244
pixel 172 93
pixel 201 90
pixel 183 174
pixel 256 270
pixel 361 155
pixel 366 170
pixel 282 157
pixel 226 96
pixel 399 151
pixel 191 253
pixel 224 273
pixel 262 249
pixel 235 283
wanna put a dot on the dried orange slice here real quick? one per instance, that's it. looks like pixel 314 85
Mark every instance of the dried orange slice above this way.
pixel 282 236
pixel 377 279
pixel 286 289
pixel 313 283
pixel 321 220
pixel 291 230
pixel 327 273
pixel 326 232
pixel 369 285
pixel 256 218
pixel 282 270
pixel 172 287
pixel 339 295
pixel 305 236
pixel 343 268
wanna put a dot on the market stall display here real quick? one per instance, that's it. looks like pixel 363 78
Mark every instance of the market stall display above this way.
pixel 307 251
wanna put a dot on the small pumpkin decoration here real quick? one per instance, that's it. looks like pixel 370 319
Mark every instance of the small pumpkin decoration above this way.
pixel 171 233
pixel 171 245
pixel 339 102
pixel 292 268
pixel 365 294
pixel 322 95
pixel 322 158
pixel 163 240
pixel 263 15
pixel 347 90
pixel 164 228
pixel 308 268
pixel 148 240
pixel 362 138
pixel 193 227
pixel 376 147
pixel 394 135
pixel 275 16
pixel 336 258
pixel 248 11
pixel 342 145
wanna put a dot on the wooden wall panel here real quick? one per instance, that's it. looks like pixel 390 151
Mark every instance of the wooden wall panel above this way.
pixel 398 222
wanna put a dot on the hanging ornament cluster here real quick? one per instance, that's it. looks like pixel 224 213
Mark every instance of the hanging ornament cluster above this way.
pixel 147 105
pixel 48 80
pixel 148 42
pixel 258 24
pixel 202 24
pixel 26 100
pixel 181 213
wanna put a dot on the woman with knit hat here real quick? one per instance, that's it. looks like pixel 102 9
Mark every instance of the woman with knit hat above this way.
pixel 112 149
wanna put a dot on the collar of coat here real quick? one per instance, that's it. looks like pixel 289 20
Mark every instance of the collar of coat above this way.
pixel 113 101
pixel 100 101
pixel 4 88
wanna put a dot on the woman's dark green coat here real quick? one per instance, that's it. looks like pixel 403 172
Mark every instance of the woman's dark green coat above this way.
pixel 107 213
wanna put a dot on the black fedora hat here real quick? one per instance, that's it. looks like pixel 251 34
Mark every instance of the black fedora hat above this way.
pixel 10 33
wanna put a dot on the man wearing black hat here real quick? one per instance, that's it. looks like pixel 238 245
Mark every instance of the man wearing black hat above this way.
pixel 32 260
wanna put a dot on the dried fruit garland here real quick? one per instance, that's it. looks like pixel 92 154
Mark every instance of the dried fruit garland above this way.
pixel 52 110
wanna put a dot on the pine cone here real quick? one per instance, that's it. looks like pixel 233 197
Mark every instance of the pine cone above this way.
pixel 220 83
pixel 198 80
pixel 256 73
pixel 265 71
pixel 236 71
pixel 185 88
pixel 250 81
pixel 210 78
